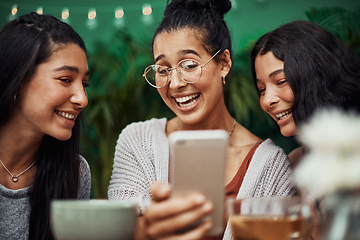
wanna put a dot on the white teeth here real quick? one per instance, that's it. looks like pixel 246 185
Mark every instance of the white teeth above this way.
pixel 187 104
pixel 187 101
pixel 66 115
pixel 187 98
pixel 283 114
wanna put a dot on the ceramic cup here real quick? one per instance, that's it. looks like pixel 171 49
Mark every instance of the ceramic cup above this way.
pixel 92 219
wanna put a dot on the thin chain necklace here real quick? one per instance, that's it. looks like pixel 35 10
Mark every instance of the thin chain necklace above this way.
pixel 230 132
pixel 14 177
pixel 232 129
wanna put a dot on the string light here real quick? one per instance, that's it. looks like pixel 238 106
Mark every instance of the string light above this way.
pixel 40 10
pixel 65 14
pixel 233 4
pixel 119 13
pixel 92 14
pixel 147 10
pixel 119 20
pixel 147 16
pixel 91 22
pixel 14 10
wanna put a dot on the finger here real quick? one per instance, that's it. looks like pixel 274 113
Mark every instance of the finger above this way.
pixel 178 222
pixel 173 206
pixel 160 191
pixel 195 234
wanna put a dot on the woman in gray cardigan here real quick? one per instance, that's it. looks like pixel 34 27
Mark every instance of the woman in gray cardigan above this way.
pixel 194 41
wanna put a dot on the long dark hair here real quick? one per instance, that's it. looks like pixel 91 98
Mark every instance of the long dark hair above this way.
pixel 204 16
pixel 321 71
pixel 25 43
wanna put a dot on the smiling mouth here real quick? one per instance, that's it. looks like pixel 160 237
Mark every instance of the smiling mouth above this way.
pixel 283 115
pixel 188 100
pixel 65 115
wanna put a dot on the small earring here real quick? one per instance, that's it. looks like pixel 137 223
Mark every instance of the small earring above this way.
pixel 15 97
pixel 223 79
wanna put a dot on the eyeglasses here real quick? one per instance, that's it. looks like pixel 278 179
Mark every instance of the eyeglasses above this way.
pixel 189 70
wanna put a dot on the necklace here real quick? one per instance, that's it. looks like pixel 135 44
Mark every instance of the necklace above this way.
pixel 232 129
pixel 14 177
pixel 230 132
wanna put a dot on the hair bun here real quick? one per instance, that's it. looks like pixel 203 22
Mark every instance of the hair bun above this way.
pixel 219 6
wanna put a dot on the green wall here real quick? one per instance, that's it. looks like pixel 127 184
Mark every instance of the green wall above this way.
pixel 247 20
pixel 118 94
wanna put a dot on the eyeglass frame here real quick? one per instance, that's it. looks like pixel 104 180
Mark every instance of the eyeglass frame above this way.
pixel 168 71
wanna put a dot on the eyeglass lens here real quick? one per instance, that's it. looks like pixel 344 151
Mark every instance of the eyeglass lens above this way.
pixel 188 70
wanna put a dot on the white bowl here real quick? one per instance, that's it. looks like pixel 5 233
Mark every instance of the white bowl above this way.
pixel 92 219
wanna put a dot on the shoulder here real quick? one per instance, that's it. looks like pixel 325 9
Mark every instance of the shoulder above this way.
pixel 269 172
pixel 141 139
pixel 269 147
pixel 154 124
pixel 270 156
pixel 84 165
pixel 84 179
pixel 296 155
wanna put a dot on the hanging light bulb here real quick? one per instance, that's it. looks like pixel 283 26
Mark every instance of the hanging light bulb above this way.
pixel 147 10
pixel 40 10
pixel 119 13
pixel 91 22
pixel 147 16
pixel 119 20
pixel 14 10
pixel 92 14
pixel 65 14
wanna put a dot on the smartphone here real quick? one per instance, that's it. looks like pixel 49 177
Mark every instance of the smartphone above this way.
pixel 197 164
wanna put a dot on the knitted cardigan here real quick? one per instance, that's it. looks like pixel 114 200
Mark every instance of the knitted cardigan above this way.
pixel 142 157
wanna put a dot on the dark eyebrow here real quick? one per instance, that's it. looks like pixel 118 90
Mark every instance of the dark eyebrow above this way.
pixel 69 68
pixel 276 72
pixel 188 51
pixel 159 57
pixel 181 52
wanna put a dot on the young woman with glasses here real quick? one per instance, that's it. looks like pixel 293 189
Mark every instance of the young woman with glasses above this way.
pixel 192 58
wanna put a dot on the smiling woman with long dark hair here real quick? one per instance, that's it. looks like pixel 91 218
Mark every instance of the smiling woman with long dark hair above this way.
pixel 299 68
pixel 44 72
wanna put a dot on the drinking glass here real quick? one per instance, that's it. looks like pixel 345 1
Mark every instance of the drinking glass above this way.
pixel 269 218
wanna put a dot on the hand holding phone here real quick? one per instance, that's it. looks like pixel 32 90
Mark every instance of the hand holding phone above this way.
pixel 197 162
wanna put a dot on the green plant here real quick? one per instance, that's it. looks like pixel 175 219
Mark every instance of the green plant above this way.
pixel 118 95
pixel 343 23
pixel 242 98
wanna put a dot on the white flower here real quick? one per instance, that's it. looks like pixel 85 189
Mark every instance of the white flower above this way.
pixel 333 161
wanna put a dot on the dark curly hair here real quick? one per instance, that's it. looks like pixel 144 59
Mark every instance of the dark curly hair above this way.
pixel 320 70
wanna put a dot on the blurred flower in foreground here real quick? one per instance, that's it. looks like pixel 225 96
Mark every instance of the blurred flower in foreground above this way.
pixel 333 160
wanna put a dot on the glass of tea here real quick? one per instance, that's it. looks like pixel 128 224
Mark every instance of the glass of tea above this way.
pixel 269 218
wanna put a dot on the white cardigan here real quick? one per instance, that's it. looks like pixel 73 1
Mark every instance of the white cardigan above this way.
pixel 142 157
